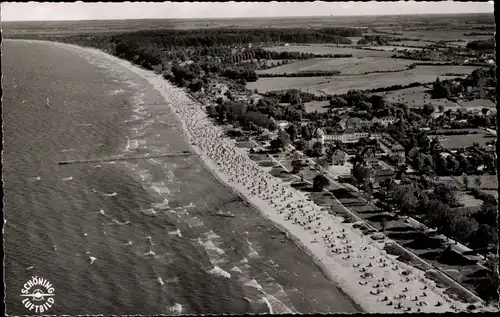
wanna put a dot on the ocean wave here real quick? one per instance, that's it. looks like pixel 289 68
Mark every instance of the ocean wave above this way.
pixel 219 272
pixel 110 194
pixel 85 124
pixel 37 178
pixel 236 269
pixel 253 283
pixel 116 92
pixel 148 212
pixel 150 252
pixel 177 308
pixel 162 205
pixel 176 233
pixel 160 188
pixel 120 223
pixel 253 254
pixel 67 178
pixel 160 281
pixel 210 246
pixel 92 259
pixel 66 150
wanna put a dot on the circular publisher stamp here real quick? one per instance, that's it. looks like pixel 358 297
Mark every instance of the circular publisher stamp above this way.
pixel 38 294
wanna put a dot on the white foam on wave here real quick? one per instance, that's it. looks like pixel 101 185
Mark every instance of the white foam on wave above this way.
pixel 211 235
pixel 268 304
pixel 86 124
pixel 150 252
pixel 162 205
pixel 67 178
pixel 176 233
pixel 111 194
pixel 160 281
pixel 96 166
pixel 210 246
pixel 121 223
pixel 253 254
pixel 66 150
pixel 145 175
pixel 244 260
pixel 116 92
pixel 219 272
pixel 128 243
pixel 160 188
pixel 30 268
pixel 236 269
pixel 254 283
pixel 92 259
pixel 37 178
pixel 101 211
pixel 148 212
pixel 177 308
pixel 131 144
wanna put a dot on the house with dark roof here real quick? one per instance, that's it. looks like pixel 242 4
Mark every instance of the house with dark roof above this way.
pixel 338 157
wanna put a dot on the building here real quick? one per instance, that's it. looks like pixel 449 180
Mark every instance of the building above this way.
pixel 385 121
pixel 318 137
pixel 339 157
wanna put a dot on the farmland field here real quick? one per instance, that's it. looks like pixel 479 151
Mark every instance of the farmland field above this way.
pixel 329 49
pixel 477 104
pixel 342 84
pixel 460 141
pixel 349 65
pixel 416 97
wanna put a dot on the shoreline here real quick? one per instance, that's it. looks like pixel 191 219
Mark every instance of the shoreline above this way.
pixel 339 271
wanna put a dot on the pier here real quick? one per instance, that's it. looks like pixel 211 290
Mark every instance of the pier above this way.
pixel 128 158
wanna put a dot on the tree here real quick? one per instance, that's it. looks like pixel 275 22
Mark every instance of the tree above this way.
pixel 478 182
pixel 320 182
pixel 466 182
pixel 306 133
pixel 292 131
pixel 276 144
pixel 300 145
pixel 317 149
pixel 296 166
pixel 427 110
pixel 441 108
pixel 484 237
pixel 211 111
pixel 284 138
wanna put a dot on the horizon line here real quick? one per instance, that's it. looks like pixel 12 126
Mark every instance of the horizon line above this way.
pixel 248 18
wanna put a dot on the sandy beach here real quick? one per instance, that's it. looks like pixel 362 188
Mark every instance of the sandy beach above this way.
pixel 372 278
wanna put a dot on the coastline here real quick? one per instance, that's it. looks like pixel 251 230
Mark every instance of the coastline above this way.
pixel 339 271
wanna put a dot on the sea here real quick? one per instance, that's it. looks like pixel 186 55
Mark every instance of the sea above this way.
pixel 118 232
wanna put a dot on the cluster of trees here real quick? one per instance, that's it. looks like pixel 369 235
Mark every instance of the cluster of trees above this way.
pixel 433 203
pixel 229 36
pixel 482 45
pixel 379 40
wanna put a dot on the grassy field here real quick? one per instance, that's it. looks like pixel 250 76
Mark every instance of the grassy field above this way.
pixel 416 97
pixel 329 49
pixel 488 182
pixel 350 65
pixel 342 84
pixel 478 104
pixel 319 106
pixel 459 141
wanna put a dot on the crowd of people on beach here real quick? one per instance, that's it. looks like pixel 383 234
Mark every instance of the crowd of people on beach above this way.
pixel 393 284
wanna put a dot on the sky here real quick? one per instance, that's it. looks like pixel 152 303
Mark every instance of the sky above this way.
pixel 33 11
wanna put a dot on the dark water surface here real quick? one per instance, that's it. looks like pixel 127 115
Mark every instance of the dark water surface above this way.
pixel 148 225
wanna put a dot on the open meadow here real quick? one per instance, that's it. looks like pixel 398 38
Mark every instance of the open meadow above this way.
pixel 416 97
pixel 329 49
pixel 326 85
pixel 348 65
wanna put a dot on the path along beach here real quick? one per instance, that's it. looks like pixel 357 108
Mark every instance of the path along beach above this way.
pixel 373 279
